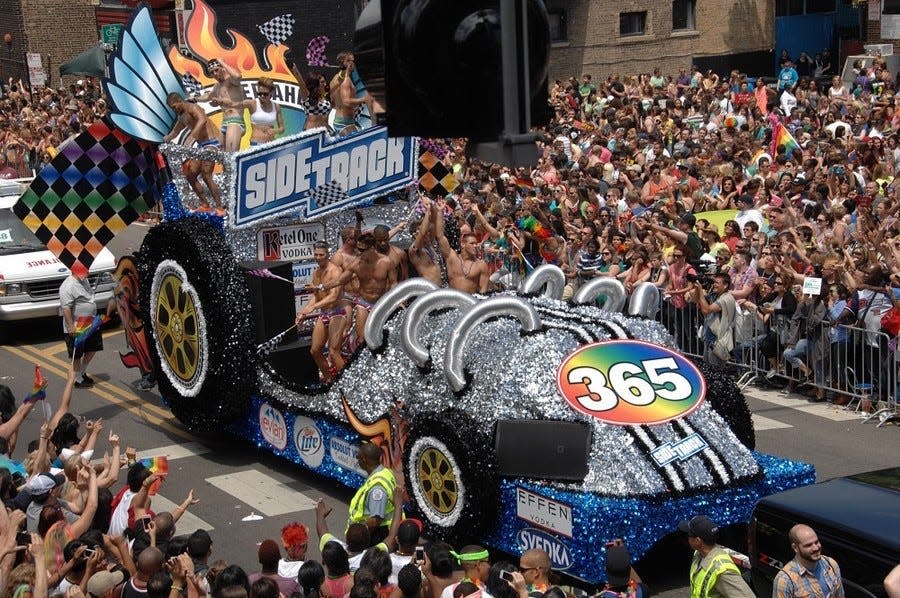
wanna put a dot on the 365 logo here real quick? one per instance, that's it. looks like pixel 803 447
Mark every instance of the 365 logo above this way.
pixel 308 441
pixel 630 382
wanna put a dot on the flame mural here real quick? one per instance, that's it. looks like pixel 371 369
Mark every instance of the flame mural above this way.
pixel 201 39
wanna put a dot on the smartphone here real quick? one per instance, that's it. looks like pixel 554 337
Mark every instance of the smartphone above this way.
pixel 23 539
pixel 420 553
pixel 89 552
pixel 146 523
pixel 507 575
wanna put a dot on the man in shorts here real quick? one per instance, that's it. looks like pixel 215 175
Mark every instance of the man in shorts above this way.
pixel 76 300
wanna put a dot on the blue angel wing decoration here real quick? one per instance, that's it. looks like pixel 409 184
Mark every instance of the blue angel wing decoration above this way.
pixel 140 78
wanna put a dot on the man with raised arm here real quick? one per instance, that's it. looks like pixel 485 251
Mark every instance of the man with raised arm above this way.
pixel 465 270
pixel 192 117
pixel 422 254
pixel 343 96
pixel 229 94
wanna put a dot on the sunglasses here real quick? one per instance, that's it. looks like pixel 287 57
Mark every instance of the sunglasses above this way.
pixel 605 253
pixel 678 255
pixel 264 94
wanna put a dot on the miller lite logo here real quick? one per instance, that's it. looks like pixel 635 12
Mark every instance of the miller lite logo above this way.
pixel 308 441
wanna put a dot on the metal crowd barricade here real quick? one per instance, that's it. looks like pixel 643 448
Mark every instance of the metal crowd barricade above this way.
pixel 858 367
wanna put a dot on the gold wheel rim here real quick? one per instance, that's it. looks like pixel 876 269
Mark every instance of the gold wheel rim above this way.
pixel 177 328
pixel 437 480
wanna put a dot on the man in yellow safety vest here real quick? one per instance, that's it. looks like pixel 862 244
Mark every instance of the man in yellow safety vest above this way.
pixel 372 504
pixel 713 573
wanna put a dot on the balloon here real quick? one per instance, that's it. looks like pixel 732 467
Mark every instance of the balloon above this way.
pixel 548 277
pixel 440 299
pixel 388 303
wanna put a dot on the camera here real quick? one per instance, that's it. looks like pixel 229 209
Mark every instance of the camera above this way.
pixel 420 554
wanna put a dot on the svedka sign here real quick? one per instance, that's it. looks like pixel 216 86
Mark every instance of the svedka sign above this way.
pixel 281 178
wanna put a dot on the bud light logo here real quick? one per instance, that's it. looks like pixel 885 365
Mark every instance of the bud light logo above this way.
pixel 272 425
pixel 308 441
pixel 531 539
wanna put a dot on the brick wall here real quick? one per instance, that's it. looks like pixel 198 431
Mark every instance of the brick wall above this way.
pixel 11 57
pixel 594 46
pixel 59 30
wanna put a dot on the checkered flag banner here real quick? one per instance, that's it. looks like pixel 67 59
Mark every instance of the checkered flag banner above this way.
pixel 278 29
pixel 191 84
pixel 315 51
pixel 328 194
pixel 100 182
pixel 271 344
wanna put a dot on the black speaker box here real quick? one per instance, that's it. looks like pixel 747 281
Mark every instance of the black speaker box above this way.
pixel 272 300
pixel 550 450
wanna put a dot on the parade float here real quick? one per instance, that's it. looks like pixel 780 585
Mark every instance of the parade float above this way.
pixel 518 419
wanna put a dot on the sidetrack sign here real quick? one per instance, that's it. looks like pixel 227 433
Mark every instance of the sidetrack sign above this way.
pixel 312 174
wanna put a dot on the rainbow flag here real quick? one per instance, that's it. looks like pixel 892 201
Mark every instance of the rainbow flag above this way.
pixel 159 466
pixel 85 326
pixel 781 136
pixel 39 388
pixel 524 182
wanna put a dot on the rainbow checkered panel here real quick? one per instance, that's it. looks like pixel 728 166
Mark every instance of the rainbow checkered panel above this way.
pixel 100 182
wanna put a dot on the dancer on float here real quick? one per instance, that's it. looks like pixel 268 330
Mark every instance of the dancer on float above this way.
pixel 329 324
pixel 266 120
pixel 192 117
pixel 228 93
pixel 313 98
pixel 343 96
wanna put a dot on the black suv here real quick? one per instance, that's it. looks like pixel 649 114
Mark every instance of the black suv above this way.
pixel 857 519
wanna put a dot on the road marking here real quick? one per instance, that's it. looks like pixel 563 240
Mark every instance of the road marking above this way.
pixel 265 494
pixel 187 523
pixel 60 347
pixel 132 404
pixel 826 410
pixel 66 364
pixel 175 451
pixel 764 423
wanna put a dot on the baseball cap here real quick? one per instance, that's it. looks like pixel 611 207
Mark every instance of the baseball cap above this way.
pixel 43 483
pixel 701 527
pixel 618 566
pixel 103 581
pixel 799 181
pixel 745 198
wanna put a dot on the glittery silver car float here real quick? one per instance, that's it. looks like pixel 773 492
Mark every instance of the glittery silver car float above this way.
pixel 439 369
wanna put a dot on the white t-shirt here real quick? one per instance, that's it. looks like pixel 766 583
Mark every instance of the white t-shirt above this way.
pixel 398 561
pixel 289 568
pixel 118 522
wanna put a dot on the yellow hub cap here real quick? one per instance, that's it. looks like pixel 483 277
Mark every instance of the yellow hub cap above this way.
pixel 177 328
pixel 437 480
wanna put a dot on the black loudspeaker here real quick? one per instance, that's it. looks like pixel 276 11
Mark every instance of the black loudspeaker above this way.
pixel 272 299
pixel 293 363
pixel 550 450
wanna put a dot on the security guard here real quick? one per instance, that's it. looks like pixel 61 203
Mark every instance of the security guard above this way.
pixel 713 573
pixel 372 504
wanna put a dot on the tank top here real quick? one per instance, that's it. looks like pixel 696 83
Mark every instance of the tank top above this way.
pixel 335 587
pixel 261 117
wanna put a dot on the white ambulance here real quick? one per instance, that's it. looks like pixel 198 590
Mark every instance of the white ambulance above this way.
pixel 30 275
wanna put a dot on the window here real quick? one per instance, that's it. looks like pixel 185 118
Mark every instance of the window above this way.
pixel 890 7
pixel 557 25
pixel 788 8
pixel 632 23
pixel 820 6
pixel 683 14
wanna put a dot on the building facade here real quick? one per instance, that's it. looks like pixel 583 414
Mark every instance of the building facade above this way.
pixel 634 36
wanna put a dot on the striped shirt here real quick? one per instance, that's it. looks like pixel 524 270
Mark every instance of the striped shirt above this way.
pixel 796 581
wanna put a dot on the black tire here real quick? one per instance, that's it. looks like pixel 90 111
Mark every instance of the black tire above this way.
pixel 451 475
pixel 200 328
pixel 728 401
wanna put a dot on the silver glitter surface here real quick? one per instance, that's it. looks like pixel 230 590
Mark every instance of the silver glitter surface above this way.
pixel 513 376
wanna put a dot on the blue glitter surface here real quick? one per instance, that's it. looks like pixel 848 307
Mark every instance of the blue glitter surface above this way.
pixel 595 519
pixel 174 210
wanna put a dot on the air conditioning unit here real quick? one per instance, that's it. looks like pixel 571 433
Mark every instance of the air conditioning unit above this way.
pixel 879 49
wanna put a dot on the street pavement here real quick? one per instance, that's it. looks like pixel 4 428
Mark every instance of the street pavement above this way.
pixel 247 495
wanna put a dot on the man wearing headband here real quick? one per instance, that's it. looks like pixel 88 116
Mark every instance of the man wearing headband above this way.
pixel 475 565
pixel 372 504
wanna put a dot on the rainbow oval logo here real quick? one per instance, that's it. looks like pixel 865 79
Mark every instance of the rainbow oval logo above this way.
pixel 628 382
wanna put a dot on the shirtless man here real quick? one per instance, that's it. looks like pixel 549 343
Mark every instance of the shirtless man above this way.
pixel 382 236
pixel 228 93
pixel 373 274
pixel 191 116
pixel 465 271
pixel 421 253
pixel 343 96
pixel 329 324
